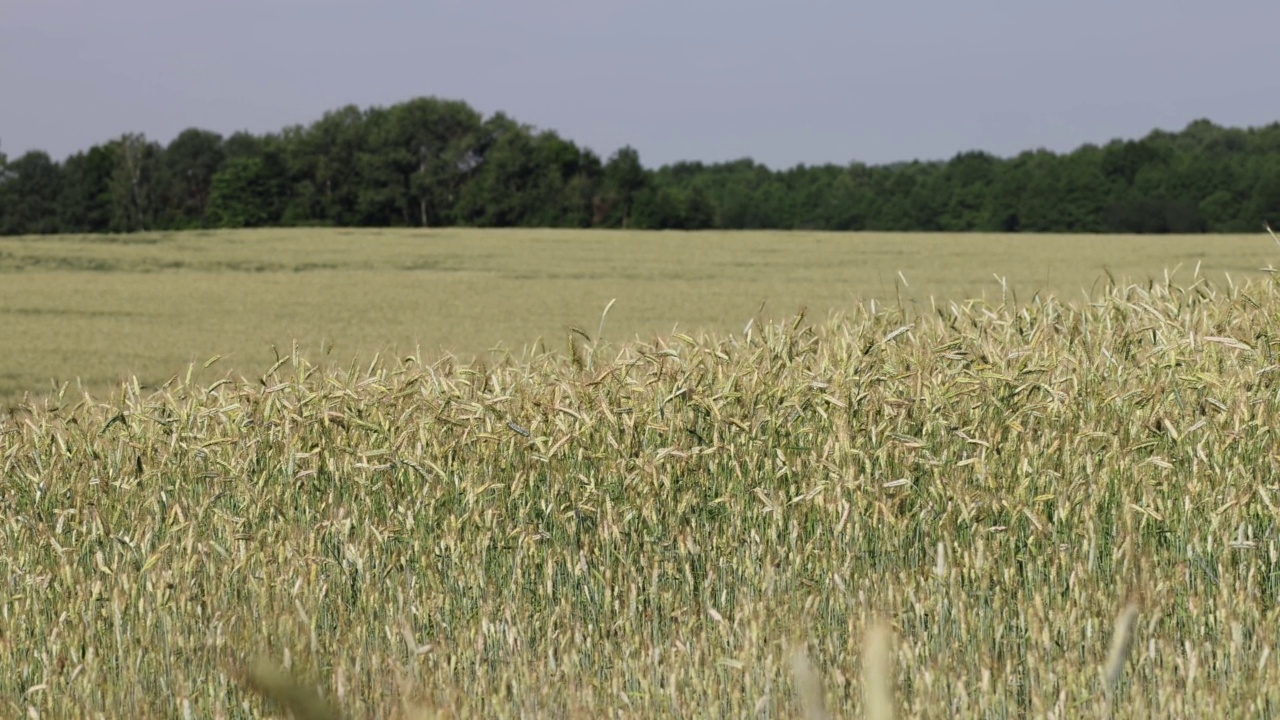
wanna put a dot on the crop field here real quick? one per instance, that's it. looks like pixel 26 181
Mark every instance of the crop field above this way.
pixel 1049 507
pixel 98 309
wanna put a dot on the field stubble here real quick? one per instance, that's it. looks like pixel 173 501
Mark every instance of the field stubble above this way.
pixel 648 529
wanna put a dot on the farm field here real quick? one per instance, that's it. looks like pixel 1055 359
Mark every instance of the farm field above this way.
pixel 101 308
pixel 993 511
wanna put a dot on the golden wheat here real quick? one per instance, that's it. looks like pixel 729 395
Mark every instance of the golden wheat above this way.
pixel 642 532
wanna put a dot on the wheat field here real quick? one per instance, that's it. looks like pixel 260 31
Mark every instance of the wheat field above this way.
pixel 991 508
pixel 93 311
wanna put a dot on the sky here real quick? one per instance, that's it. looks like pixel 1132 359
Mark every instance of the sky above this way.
pixel 784 83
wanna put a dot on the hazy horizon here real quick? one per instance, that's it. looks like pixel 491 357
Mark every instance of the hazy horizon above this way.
pixel 811 83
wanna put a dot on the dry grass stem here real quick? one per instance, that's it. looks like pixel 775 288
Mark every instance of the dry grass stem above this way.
pixel 1121 642
pixel 280 688
pixel 877 672
pixel 808 686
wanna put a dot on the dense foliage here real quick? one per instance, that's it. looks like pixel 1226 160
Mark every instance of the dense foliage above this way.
pixel 432 162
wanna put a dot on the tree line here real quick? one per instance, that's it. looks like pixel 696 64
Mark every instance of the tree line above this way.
pixel 431 162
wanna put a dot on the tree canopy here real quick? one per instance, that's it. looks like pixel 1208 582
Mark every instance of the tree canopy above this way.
pixel 432 162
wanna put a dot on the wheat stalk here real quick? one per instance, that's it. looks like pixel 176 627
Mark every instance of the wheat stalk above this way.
pixel 276 685
pixel 1121 641
pixel 808 686
pixel 877 671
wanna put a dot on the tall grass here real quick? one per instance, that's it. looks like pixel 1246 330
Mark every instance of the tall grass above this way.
pixel 652 530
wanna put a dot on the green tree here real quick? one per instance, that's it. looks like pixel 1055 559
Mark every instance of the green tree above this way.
pixel 429 162
pixel 249 191
pixel 438 138
pixel 1222 211
pixel 132 201
pixel 1123 160
pixel 699 212
pixel 185 177
pixel 624 178
pixel 1082 191
pixel 85 203
pixel 581 191
pixel 5 201
pixel 507 181
pixel 245 144
pixel 657 209
pixel 324 161
pixel 965 189
pixel 895 210
pixel 1264 202
pixel 29 191
pixel 846 205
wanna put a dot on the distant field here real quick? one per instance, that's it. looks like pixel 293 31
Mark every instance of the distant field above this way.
pixel 99 308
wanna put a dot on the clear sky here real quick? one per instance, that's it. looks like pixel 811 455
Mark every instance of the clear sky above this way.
pixel 802 81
